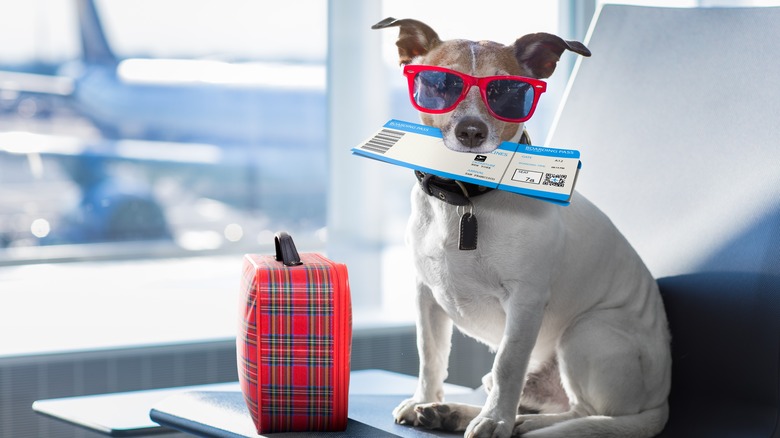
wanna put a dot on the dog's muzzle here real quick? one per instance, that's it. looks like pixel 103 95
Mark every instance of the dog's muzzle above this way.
pixel 455 192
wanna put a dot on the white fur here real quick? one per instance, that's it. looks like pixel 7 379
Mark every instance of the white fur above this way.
pixel 574 315
pixel 545 282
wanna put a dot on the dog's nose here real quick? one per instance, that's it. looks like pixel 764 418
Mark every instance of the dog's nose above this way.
pixel 471 132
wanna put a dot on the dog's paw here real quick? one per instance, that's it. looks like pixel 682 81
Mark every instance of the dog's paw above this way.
pixel 486 427
pixel 522 428
pixel 405 412
pixel 529 423
pixel 441 416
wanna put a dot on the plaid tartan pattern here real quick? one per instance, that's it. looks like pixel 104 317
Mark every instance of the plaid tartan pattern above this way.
pixel 287 345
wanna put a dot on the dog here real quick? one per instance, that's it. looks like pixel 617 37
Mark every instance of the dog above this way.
pixel 574 316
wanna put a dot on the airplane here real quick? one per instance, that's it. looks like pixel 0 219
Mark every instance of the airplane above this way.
pixel 228 123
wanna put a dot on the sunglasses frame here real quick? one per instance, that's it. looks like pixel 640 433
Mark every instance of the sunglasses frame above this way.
pixel 411 71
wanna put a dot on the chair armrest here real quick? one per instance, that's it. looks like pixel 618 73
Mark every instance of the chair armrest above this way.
pixel 725 354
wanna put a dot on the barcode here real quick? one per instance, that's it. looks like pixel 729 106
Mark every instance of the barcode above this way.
pixel 383 141
pixel 554 180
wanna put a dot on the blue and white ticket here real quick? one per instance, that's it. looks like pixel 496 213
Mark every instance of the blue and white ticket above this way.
pixel 540 172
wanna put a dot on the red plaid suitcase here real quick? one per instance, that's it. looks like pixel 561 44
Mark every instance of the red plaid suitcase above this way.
pixel 294 340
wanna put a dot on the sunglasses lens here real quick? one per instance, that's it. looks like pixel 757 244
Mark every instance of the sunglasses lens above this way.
pixel 511 99
pixel 437 90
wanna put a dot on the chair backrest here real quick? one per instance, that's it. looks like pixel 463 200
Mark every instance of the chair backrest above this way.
pixel 676 116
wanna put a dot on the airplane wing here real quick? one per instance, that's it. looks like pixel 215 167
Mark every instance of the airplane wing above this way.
pixel 166 157
pixel 22 142
pixel 18 82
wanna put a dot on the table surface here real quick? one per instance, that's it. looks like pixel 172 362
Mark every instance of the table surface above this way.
pixel 220 408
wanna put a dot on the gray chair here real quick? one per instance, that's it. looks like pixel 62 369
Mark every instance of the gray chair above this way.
pixel 676 116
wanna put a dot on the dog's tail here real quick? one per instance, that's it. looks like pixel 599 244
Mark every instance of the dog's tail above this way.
pixel 645 424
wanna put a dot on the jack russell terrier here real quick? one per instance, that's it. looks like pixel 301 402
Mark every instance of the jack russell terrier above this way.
pixel 576 319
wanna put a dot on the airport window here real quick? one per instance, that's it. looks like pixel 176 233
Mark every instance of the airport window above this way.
pixel 144 147
pixel 177 134
pixel 133 134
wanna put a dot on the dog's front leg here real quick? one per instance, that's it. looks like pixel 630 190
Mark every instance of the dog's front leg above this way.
pixel 434 337
pixel 524 312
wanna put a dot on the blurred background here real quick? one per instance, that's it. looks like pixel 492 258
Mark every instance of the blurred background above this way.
pixel 145 145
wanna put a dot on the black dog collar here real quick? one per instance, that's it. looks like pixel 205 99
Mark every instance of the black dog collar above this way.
pixel 449 190
pixel 455 192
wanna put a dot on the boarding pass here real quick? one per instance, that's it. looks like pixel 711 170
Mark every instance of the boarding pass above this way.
pixel 540 172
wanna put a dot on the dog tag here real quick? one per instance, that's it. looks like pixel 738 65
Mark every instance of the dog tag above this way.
pixel 468 232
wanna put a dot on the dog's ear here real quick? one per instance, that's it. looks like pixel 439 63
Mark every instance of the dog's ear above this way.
pixel 540 52
pixel 415 38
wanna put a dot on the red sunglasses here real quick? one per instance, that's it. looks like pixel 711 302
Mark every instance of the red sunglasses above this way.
pixel 438 90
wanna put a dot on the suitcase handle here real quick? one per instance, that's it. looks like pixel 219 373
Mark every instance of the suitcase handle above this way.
pixel 285 249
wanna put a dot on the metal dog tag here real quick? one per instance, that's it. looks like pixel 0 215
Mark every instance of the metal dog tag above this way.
pixel 467 240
